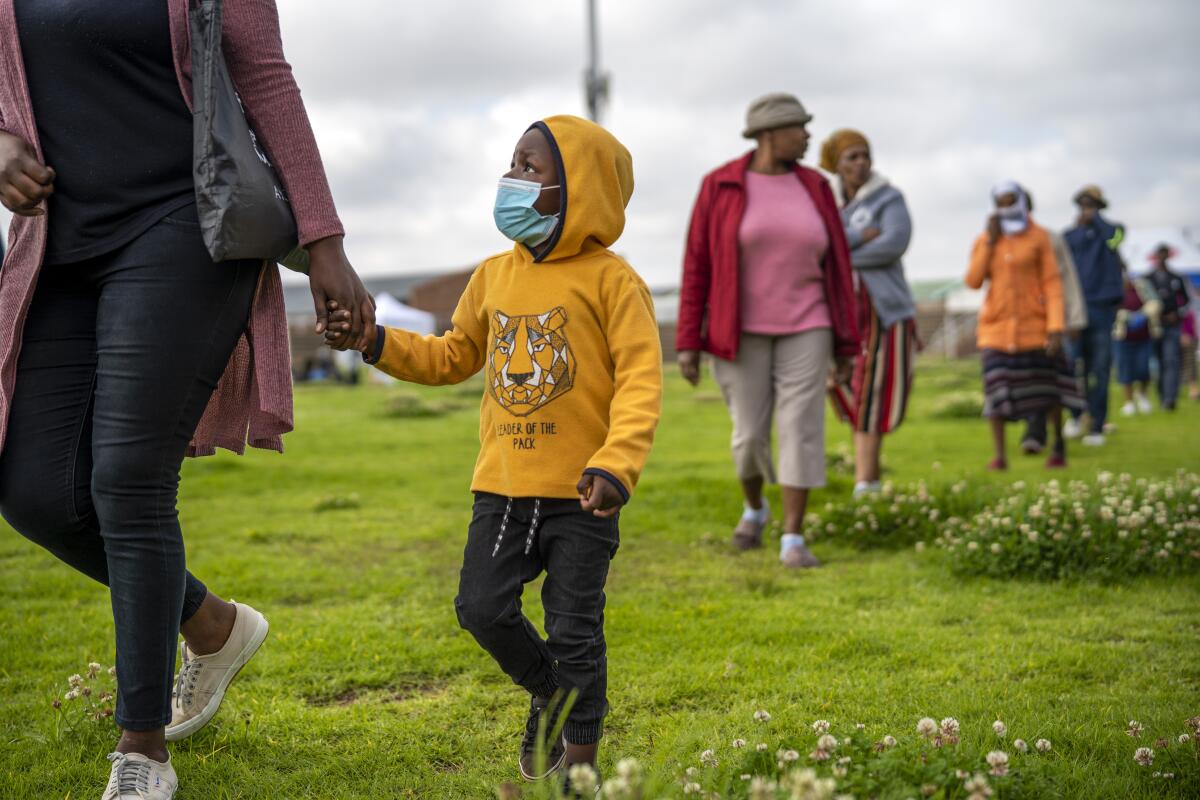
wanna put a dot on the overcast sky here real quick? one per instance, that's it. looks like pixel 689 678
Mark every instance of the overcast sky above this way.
pixel 417 106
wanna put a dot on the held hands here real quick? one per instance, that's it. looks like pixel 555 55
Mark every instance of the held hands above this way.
pixel 841 373
pixel 599 496
pixel 689 365
pixel 24 181
pixel 331 278
pixel 337 330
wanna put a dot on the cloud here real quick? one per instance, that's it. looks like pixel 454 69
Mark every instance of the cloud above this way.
pixel 417 108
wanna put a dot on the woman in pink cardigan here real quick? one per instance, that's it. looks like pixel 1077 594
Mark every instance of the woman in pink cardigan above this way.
pixel 123 347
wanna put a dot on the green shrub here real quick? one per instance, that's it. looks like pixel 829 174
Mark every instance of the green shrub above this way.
pixel 1115 528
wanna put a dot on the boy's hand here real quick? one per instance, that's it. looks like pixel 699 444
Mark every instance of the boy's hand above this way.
pixel 599 496
pixel 338 326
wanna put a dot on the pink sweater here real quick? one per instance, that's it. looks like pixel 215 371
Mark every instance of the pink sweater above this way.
pixel 253 401
pixel 782 242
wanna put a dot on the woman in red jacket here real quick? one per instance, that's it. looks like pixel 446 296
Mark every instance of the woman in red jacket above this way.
pixel 768 291
pixel 116 327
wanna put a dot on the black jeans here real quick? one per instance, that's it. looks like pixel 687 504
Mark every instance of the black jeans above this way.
pixel 574 548
pixel 119 358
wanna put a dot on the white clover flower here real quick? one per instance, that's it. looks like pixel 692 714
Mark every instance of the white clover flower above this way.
pixel 762 716
pixel 827 742
pixel 889 741
pixel 821 726
pixel 112 671
pixel 583 778
pixel 629 769
pixel 927 727
pixel 738 744
pixel 93 669
pixel 746 776
pixel 1033 536
pixel 690 772
pixel 74 681
pixel 788 756
pixel 950 726
pixel 972 546
pixel 999 727
pixel 708 758
pixel 1144 756
pixel 688 788
pixel 858 726
pixel 761 788
pixel 1042 745
pixel 998 761
pixel 1134 729
pixel 819 755
pixel 1184 738
pixel 761 747
pixel 1020 746
pixel 919 547
pixel 839 771
pixel 71 695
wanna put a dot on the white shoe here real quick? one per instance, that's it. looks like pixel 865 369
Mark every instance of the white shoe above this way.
pixel 1093 440
pixel 1072 429
pixel 1129 409
pixel 1143 404
pixel 136 777
pixel 866 487
pixel 202 680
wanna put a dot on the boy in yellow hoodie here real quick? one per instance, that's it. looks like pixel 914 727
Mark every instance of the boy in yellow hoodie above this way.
pixel 564 330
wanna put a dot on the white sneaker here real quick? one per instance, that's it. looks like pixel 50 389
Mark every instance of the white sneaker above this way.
pixel 1129 409
pixel 1094 440
pixel 202 680
pixel 866 487
pixel 136 777
pixel 1143 404
pixel 1072 428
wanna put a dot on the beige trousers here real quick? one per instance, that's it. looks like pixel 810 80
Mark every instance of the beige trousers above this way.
pixel 781 377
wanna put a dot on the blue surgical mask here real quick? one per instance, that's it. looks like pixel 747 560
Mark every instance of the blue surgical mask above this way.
pixel 515 215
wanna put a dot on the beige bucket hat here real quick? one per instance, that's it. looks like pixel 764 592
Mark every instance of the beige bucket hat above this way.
pixel 775 110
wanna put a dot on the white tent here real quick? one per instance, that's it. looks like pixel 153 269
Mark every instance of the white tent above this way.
pixel 391 312
pixel 1140 244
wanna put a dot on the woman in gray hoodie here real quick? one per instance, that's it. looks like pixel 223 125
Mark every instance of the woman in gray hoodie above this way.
pixel 878 230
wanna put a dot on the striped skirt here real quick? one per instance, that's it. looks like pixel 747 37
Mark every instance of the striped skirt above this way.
pixel 1018 385
pixel 877 400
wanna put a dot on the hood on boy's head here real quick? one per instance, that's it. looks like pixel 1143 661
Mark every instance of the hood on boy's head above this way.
pixel 596 172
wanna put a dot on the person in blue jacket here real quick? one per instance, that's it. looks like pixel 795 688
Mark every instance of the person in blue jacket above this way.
pixel 1094 242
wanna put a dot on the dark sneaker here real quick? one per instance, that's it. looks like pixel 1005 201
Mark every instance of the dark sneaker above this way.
pixel 748 534
pixel 555 752
pixel 798 556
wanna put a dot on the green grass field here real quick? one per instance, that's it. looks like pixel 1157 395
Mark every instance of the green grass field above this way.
pixel 350 544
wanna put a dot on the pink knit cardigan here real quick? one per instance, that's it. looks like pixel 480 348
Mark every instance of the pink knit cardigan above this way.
pixel 253 401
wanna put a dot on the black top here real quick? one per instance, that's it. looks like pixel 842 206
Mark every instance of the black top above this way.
pixel 111 118
pixel 1172 290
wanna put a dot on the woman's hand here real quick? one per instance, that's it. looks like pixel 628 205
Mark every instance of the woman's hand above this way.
pixel 24 181
pixel 689 365
pixel 843 370
pixel 869 234
pixel 1054 346
pixel 599 496
pixel 337 330
pixel 993 228
pixel 330 277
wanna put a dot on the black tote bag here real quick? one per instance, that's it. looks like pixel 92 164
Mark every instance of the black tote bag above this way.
pixel 240 201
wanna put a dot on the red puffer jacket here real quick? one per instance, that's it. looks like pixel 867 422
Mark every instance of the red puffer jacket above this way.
pixel 709 308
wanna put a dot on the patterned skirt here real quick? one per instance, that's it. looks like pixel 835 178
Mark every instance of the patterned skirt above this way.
pixel 1018 385
pixel 877 400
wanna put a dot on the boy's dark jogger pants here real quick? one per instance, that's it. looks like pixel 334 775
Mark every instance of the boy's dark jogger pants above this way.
pixel 574 548
pixel 120 355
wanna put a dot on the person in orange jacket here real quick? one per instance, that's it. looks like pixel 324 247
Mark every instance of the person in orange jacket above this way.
pixel 1021 323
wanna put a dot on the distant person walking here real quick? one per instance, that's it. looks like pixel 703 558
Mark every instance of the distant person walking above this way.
pixel 1074 322
pixel 1172 291
pixel 1094 241
pixel 878 230
pixel 1187 344
pixel 1138 326
pixel 1021 323
pixel 768 291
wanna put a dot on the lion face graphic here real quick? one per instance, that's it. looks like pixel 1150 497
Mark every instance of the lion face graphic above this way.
pixel 531 362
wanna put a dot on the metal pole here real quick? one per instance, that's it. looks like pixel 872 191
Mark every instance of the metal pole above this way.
pixel 595 83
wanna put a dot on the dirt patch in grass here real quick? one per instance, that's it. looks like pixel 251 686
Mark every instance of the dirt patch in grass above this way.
pixel 391 693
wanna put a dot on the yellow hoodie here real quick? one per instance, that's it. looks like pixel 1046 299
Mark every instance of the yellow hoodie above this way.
pixel 568 341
